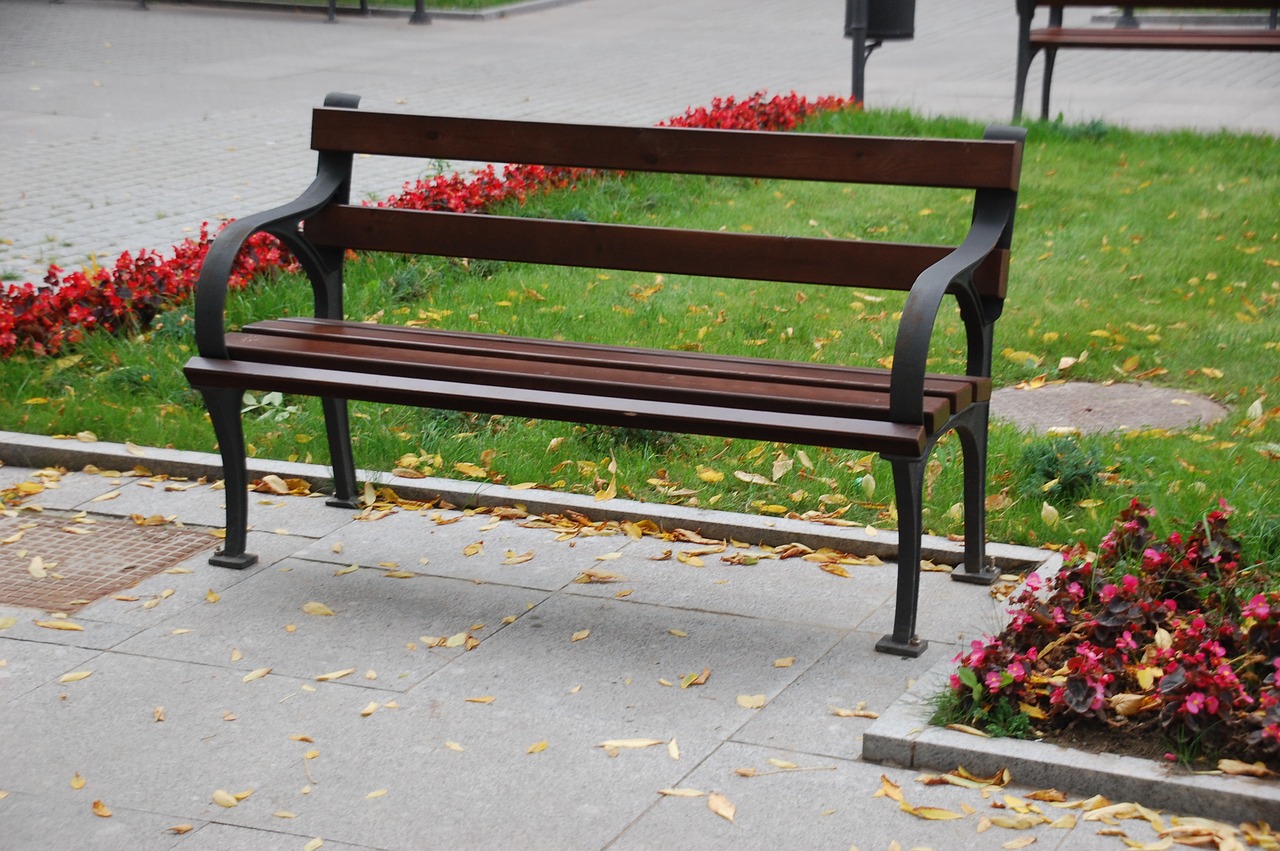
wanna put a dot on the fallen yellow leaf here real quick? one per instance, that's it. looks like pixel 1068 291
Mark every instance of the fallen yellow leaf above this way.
pixel 223 798
pixel 60 624
pixel 629 743
pixel 335 675
pixel 751 701
pixel 538 747
pixel 100 810
pixel 256 674
pixel 75 676
pixel 679 792
pixel 77 782
pixel 721 806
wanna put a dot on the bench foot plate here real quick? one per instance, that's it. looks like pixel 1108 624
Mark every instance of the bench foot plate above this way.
pixel 339 502
pixel 910 649
pixel 986 576
pixel 239 562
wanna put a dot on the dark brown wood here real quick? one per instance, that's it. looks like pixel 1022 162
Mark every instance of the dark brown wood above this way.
pixel 1166 4
pixel 1158 39
pixel 610 378
pixel 796 428
pixel 880 265
pixel 502 351
pixel 955 163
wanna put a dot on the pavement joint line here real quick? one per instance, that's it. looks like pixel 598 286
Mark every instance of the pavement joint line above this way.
pixel 903 736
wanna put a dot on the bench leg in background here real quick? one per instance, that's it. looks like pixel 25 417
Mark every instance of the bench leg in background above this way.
pixel 224 404
pixel 971 428
pixel 908 488
pixel 1050 53
pixel 338 431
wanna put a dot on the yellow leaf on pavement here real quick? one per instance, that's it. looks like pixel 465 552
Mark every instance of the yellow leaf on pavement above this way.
pixel 335 675
pixel 256 674
pixel 580 634
pixel 75 676
pixel 100 810
pixel 318 609
pixel 629 743
pixel 721 806
pixel 223 798
pixel 751 701
pixel 77 782
pixel 538 747
pixel 60 624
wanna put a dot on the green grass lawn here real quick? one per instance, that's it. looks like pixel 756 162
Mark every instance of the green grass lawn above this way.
pixel 1138 256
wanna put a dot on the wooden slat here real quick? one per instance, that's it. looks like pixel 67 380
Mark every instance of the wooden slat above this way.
pixel 959 391
pixel 951 163
pixel 1164 39
pixel 881 265
pixel 834 432
pixel 1167 4
pixel 613 383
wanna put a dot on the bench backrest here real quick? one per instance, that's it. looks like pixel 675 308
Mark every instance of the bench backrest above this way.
pixel 991 167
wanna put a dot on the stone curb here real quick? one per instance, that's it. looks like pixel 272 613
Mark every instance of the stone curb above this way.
pixel 902 736
pixel 27 450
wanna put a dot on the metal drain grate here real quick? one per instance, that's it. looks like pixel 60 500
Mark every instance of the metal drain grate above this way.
pixel 97 557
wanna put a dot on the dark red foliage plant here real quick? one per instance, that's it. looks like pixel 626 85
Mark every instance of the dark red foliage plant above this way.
pixel 1146 637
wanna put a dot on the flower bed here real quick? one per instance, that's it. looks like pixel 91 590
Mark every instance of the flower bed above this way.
pixel 1176 636
pixel 42 319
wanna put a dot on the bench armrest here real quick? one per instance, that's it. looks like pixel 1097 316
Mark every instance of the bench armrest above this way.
pixel 331 185
pixel 992 229
pixel 284 223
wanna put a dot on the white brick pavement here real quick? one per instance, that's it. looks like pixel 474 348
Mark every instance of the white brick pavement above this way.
pixel 122 129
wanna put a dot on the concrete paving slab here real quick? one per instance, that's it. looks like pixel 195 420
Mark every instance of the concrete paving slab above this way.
pixel 218 837
pixel 27 665
pixel 376 621
pixel 620 667
pixel 92 635
pixel 848 676
pixel 39 821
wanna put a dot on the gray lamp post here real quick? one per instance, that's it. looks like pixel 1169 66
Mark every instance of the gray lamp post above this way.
pixel 870 23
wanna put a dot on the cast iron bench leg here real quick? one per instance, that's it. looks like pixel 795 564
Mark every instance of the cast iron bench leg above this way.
pixel 338 431
pixel 971 428
pixel 224 404
pixel 908 488
pixel 1050 53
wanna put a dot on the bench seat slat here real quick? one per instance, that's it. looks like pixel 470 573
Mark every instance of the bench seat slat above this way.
pixel 608 380
pixel 767 425
pixel 1158 39
pixel 959 391
pixel 955 163
pixel 759 257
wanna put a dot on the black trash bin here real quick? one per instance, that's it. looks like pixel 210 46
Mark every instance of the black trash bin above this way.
pixel 870 23
pixel 891 20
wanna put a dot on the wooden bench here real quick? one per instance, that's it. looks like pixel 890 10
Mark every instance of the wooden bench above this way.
pixel 1129 35
pixel 899 413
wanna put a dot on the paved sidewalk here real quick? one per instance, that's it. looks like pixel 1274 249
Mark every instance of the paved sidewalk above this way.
pixel 199 680
pixel 124 129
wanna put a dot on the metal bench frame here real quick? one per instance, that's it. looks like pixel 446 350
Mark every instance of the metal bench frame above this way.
pixel 1128 34
pixel 899 413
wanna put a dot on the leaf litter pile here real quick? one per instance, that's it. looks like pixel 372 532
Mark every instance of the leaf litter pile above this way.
pixel 1032 815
